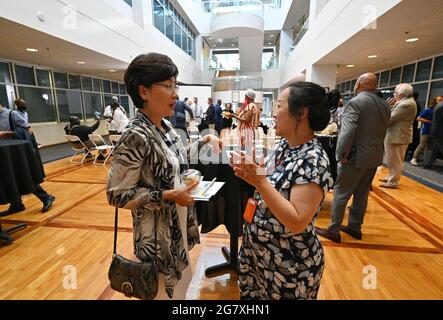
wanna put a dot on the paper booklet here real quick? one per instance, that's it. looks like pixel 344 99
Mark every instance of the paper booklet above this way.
pixel 202 193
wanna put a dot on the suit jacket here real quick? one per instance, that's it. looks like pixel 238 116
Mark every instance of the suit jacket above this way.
pixel 363 129
pixel 403 115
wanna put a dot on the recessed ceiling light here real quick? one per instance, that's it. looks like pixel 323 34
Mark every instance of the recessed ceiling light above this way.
pixel 81 62
pixel 372 56
pixel 412 39
pixel 350 66
pixel 31 50
pixel 112 70
pixel 269 42
pixel 220 40
pixel 232 45
pixel 272 36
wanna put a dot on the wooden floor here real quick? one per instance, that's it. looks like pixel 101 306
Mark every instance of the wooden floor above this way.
pixel 65 253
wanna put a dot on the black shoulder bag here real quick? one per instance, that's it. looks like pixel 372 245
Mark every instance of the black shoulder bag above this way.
pixel 134 279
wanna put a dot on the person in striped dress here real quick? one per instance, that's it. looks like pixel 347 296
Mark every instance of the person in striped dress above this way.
pixel 248 116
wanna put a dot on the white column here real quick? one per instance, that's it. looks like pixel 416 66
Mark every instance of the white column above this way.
pixel 143 12
pixel 285 43
pixel 316 6
pixel 322 74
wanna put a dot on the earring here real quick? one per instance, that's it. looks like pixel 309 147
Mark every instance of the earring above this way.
pixel 145 104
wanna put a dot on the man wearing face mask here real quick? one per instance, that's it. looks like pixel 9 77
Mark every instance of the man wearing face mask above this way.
pixel 19 119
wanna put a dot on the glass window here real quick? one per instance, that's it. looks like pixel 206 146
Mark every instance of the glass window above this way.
pixel 436 89
pixel 122 88
pixel 69 104
pixel 25 75
pixel 408 73
pixel 106 86
pixel 4 96
pixel 423 70
pixel 87 84
pixel 384 79
pixel 159 17
pixel 74 82
pixel 41 107
pixel 395 76
pixel 184 42
pixel 5 76
pixel 342 87
pixel 177 35
pixel 92 104
pixel 61 80
pixel 108 99
pixel 169 27
pixel 124 102
pixel 97 85
pixel 115 87
pixel 43 78
pixel 388 93
pixel 378 77
pixel 353 84
pixel 422 90
pixel 189 46
pixel 438 68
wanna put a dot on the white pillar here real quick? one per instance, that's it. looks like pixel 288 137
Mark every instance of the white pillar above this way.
pixel 285 43
pixel 322 74
pixel 315 7
pixel 143 12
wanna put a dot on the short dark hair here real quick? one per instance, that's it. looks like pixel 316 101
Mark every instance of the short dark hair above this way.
pixel 313 97
pixel 147 69
pixel 333 97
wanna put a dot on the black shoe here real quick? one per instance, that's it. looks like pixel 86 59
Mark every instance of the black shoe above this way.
pixel 355 234
pixel 47 204
pixel 325 233
pixel 13 209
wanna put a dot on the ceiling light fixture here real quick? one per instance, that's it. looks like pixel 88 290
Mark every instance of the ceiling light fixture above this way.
pixel 81 62
pixel 412 39
pixel 272 36
pixel 31 50
pixel 220 40
pixel 373 56
pixel 112 70
pixel 350 66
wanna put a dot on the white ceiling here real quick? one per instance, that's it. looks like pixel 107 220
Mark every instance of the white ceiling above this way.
pixel 54 52
pixel 411 18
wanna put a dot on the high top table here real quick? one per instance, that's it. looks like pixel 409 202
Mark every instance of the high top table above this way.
pixel 19 173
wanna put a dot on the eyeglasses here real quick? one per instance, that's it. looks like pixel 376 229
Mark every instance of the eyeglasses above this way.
pixel 173 88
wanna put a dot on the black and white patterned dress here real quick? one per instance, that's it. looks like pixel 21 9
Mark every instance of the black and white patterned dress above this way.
pixel 275 263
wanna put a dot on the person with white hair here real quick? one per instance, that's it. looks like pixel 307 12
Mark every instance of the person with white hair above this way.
pixel 249 117
pixel 399 134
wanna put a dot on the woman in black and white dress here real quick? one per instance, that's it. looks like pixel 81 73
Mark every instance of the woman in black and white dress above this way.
pixel 145 175
pixel 281 256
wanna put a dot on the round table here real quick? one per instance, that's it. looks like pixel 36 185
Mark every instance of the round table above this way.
pixel 19 173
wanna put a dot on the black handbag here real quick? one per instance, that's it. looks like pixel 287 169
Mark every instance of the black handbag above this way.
pixel 133 279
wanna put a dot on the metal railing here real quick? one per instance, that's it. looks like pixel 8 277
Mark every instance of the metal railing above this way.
pixel 221 7
pixel 298 38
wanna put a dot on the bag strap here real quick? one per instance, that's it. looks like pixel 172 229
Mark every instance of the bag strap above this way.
pixel 115 235
pixel 11 121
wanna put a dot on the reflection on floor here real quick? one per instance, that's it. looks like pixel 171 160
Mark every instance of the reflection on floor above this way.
pixel 65 253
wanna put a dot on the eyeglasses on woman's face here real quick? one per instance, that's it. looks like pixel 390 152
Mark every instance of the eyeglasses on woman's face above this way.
pixel 171 87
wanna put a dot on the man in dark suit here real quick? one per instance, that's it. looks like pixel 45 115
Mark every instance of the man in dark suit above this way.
pixel 359 152
pixel 210 115
pixel 435 149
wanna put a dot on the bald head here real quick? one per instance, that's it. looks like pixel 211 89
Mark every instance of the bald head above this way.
pixel 366 82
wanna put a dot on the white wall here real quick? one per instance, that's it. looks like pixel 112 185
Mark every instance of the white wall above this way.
pixel 100 25
pixel 336 23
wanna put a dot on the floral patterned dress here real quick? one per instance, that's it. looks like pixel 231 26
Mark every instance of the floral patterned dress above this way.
pixel 275 263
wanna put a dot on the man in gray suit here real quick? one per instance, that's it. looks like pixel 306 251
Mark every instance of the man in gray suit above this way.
pixel 360 152
pixel 399 134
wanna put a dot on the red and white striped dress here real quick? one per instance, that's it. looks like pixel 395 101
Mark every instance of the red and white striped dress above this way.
pixel 248 131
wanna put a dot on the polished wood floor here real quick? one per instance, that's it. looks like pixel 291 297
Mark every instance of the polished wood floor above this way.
pixel 65 253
